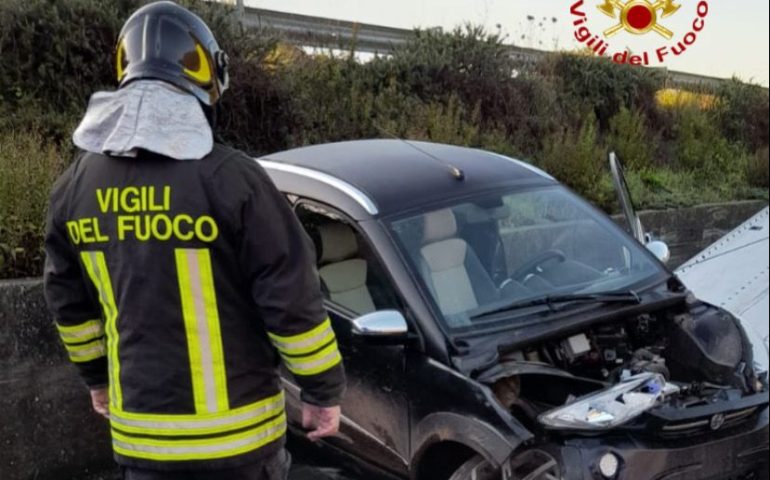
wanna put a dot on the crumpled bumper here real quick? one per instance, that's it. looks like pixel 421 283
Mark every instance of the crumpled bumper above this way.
pixel 724 456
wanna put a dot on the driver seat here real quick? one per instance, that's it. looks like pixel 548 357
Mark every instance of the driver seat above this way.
pixel 450 267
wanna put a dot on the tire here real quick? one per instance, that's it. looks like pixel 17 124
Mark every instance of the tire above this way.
pixel 477 468
pixel 530 465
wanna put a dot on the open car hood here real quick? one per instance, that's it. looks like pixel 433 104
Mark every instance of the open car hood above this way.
pixel 733 274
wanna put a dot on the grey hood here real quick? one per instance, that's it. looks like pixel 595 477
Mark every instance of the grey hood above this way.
pixel 149 115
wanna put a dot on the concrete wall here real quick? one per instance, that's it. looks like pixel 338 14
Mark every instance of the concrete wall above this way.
pixel 688 231
pixel 47 428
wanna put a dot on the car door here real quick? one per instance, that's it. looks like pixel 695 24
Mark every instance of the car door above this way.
pixel 633 221
pixel 375 424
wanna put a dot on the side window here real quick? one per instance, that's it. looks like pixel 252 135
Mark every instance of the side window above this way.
pixel 351 275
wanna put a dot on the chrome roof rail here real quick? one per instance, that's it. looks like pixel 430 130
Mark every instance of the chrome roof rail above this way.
pixel 525 165
pixel 360 197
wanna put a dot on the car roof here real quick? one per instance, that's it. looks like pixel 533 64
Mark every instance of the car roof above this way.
pixel 385 177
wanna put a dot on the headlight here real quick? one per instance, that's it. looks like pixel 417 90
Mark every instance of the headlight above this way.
pixel 611 407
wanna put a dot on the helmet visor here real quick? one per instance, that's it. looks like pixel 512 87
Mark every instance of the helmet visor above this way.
pixel 169 46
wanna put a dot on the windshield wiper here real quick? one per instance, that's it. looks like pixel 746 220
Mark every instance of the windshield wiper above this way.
pixel 551 301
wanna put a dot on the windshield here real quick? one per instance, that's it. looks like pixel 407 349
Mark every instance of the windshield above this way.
pixel 487 252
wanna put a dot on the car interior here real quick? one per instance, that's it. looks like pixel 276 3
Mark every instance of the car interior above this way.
pixel 450 267
pixel 351 275
pixel 469 256
pixel 476 255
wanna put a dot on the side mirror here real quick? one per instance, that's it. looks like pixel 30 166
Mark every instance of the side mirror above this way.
pixel 660 250
pixel 386 326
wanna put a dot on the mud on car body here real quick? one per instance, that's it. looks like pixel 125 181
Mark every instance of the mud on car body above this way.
pixel 496 326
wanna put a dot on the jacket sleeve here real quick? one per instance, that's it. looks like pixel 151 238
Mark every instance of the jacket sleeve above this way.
pixel 76 313
pixel 278 259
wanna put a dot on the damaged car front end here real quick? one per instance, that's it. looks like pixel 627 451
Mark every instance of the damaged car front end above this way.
pixel 664 394
pixel 497 326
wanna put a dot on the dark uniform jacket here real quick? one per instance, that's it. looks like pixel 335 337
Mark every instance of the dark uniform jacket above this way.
pixel 181 285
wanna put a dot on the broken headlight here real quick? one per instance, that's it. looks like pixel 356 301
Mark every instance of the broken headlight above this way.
pixel 611 407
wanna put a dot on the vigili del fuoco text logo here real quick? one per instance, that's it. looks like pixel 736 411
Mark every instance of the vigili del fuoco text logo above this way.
pixel 600 26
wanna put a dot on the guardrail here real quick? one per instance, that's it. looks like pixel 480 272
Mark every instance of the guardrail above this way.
pixel 308 30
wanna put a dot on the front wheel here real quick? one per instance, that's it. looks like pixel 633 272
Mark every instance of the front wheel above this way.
pixel 529 465
pixel 477 468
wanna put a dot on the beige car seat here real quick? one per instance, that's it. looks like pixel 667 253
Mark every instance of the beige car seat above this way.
pixel 451 268
pixel 343 273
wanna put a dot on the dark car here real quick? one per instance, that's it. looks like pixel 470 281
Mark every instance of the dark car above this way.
pixel 495 325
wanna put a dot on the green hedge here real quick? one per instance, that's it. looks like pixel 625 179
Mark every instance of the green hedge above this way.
pixel 29 167
pixel 564 113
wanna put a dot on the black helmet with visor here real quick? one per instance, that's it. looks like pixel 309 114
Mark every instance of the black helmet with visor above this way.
pixel 167 42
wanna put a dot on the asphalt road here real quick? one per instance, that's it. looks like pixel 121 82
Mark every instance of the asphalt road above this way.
pixel 308 464
pixel 299 472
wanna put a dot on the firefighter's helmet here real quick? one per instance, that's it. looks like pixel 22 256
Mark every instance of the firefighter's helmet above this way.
pixel 167 42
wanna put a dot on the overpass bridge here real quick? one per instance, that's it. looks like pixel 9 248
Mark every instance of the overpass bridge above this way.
pixel 310 31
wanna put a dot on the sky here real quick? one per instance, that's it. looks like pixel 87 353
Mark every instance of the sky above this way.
pixel 735 41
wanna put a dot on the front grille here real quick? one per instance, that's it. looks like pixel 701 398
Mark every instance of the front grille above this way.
pixel 703 425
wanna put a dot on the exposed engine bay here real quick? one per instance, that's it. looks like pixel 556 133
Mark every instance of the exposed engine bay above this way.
pixel 610 374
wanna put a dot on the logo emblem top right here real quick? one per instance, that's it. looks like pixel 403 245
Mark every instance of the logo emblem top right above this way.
pixel 639 16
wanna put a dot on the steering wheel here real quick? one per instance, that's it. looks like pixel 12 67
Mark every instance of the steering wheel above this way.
pixel 533 266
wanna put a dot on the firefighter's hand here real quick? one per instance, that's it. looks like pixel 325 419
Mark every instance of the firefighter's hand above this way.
pixel 100 400
pixel 321 422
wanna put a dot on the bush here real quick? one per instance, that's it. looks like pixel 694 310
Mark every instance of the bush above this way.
pixel 29 165
pixel 450 123
pixel 577 158
pixel 55 54
pixel 701 147
pixel 742 113
pixel 468 62
pixel 631 140
pixel 758 169
pixel 606 87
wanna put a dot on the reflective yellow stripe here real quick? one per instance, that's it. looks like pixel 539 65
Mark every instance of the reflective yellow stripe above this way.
pixel 87 351
pixel 203 73
pixel 198 424
pixel 307 342
pixel 319 362
pixel 204 338
pixel 96 267
pixel 311 352
pixel 83 332
pixel 181 449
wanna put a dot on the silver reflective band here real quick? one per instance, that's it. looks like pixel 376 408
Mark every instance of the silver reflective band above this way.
pixel 200 449
pixel 87 352
pixel 167 425
pixel 204 338
pixel 84 332
pixel 306 345
pixel 330 357
pixel 360 197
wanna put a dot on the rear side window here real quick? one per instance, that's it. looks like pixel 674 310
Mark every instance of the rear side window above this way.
pixel 352 277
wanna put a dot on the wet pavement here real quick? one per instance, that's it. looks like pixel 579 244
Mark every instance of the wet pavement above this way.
pixel 318 473
pixel 309 464
pixel 298 472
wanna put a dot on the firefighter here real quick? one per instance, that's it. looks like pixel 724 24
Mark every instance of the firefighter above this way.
pixel 178 277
